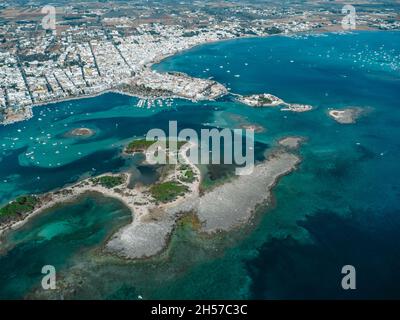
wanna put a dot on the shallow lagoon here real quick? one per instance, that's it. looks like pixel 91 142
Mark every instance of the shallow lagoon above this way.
pixel 54 238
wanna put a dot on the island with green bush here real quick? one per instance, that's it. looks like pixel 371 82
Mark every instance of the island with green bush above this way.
pixel 21 206
pixel 167 191
pixel 108 181
pixel 141 145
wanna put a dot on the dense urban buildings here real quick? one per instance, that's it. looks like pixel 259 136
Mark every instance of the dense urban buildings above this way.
pixel 96 46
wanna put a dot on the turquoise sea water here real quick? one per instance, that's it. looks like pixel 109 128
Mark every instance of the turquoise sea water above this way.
pixel 340 207
pixel 53 238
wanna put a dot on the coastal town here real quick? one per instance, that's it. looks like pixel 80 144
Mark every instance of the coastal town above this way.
pixel 95 48
pixel 97 66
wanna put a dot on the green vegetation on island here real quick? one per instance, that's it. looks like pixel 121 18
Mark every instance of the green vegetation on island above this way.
pixel 138 145
pixel 167 191
pixel 261 100
pixel 142 145
pixel 109 181
pixel 264 100
pixel 21 205
pixel 188 176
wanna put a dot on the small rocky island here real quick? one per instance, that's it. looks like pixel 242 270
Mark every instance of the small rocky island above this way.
pixel 255 127
pixel 269 100
pixel 345 116
pixel 291 142
pixel 261 100
pixel 80 132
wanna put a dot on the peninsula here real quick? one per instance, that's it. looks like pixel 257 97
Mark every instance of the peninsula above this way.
pixel 157 208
